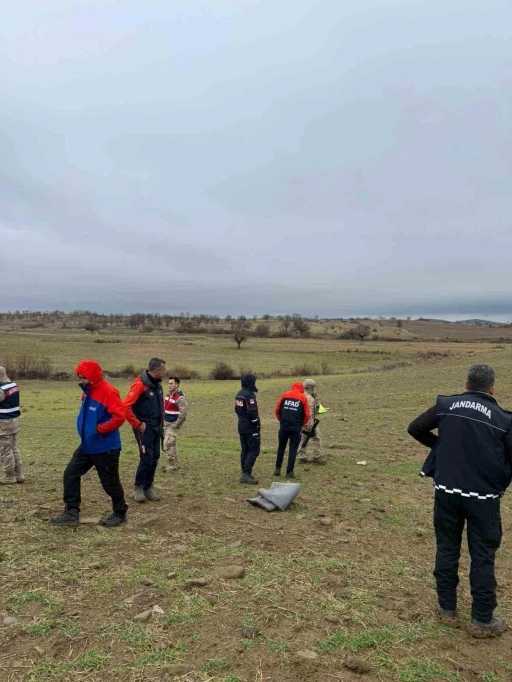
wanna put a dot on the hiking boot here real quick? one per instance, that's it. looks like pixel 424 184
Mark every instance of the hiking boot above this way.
pixel 494 628
pixel 8 481
pixel 319 460
pixel 20 478
pixel 170 467
pixel 69 517
pixel 113 520
pixel 249 479
pixel 304 460
pixel 151 495
pixel 277 472
pixel 290 474
pixel 447 616
pixel 138 494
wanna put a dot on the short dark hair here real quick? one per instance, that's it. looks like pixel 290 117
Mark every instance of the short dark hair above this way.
pixel 176 379
pixel 480 377
pixel 155 363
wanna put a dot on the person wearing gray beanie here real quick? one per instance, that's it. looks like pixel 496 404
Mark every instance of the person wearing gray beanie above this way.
pixel 312 436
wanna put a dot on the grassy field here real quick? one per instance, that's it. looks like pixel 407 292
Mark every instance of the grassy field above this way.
pixel 358 592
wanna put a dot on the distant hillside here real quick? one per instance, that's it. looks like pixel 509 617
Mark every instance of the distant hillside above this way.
pixel 480 323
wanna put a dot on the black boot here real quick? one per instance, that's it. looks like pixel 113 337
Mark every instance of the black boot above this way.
pixel 113 520
pixel 277 471
pixel 69 517
pixel 249 479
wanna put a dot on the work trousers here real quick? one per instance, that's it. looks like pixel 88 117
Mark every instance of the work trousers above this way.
pixel 169 445
pixel 292 435
pixel 149 449
pixel 107 467
pixel 249 450
pixel 10 458
pixel 483 525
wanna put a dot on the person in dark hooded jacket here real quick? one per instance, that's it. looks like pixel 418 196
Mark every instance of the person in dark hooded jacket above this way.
pixel 293 413
pixel 101 414
pixel 246 408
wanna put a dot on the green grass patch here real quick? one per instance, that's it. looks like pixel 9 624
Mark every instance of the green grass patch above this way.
pixel 92 659
pixel 372 638
pixel 423 670
pixel 214 665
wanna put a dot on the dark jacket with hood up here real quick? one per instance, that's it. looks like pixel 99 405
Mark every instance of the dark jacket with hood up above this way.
pixel 246 406
pixel 101 412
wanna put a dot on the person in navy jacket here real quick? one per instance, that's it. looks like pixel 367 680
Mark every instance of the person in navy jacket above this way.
pixel 101 414
pixel 470 462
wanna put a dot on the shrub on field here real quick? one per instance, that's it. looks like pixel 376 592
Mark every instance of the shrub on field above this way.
pixel 282 334
pixel 383 368
pixel 126 372
pixel 29 367
pixel 222 372
pixel 183 372
pixel 273 374
pixel 303 370
pixel 32 325
pixel 433 355
pixel 61 376
pixel 107 340
pixel 262 330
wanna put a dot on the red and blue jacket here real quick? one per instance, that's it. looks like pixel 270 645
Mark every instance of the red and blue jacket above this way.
pixel 101 413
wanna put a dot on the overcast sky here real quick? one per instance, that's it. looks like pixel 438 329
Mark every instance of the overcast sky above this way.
pixel 257 156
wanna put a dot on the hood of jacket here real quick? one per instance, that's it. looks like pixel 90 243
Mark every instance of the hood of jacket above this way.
pixel 248 381
pixel 3 375
pixel 298 387
pixel 91 370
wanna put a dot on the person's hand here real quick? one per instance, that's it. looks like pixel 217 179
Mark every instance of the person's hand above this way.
pixel 141 428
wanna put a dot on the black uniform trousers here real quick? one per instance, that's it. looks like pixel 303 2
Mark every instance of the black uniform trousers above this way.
pixel 107 466
pixel 249 450
pixel 483 525
pixel 293 435
pixel 149 450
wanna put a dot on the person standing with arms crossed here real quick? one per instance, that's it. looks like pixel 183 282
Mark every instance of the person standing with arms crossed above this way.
pixel 144 407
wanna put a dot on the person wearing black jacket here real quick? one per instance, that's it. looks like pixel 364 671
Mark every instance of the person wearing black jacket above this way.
pixel 144 407
pixel 246 408
pixel 471 464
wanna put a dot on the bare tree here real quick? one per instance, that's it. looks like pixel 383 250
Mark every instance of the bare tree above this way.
pixel 362 331
pixel 239 329
pixel 300 326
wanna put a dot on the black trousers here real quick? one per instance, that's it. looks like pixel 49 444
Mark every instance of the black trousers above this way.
pixel 250 450
pixel 149 449
pixel 484 537
pixel 107 467
pixel 293 435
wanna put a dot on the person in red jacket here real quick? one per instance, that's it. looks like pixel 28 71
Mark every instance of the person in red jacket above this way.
pixel 101 414
pixel 293 413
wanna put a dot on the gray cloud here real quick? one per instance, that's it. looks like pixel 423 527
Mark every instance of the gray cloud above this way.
pixel 349 158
